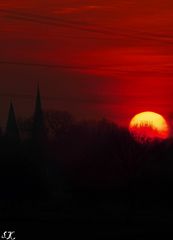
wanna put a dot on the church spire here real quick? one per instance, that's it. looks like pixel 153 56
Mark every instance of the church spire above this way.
pixel 38 119
pixel 38 99
pixel 12 131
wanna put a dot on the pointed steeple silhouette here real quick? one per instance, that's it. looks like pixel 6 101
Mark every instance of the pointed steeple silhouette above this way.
pixel 38 119
pixel 12 131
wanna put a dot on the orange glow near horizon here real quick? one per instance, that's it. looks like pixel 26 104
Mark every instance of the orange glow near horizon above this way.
pixel 149 126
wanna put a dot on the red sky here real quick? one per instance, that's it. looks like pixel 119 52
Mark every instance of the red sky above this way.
pixel 100 58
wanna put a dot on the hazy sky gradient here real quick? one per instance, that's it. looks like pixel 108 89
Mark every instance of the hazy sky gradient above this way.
pixel 93 58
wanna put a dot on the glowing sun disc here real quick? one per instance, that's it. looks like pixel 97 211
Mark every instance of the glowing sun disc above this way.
pixel 149 126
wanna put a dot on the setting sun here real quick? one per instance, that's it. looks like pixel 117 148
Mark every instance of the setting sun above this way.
pixel 149 126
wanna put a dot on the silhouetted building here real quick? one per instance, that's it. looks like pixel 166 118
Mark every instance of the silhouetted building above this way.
pixel 12 131
pixel 38 130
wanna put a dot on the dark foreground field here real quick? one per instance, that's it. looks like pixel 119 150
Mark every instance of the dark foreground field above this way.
pixel 90 180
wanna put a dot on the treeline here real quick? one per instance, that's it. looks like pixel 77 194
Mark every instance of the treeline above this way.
pixel 80 162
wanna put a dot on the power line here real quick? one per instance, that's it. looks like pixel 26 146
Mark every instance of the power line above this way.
pixel 108 68
pixel 26 14
pixel 48 65
pixel 54 21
